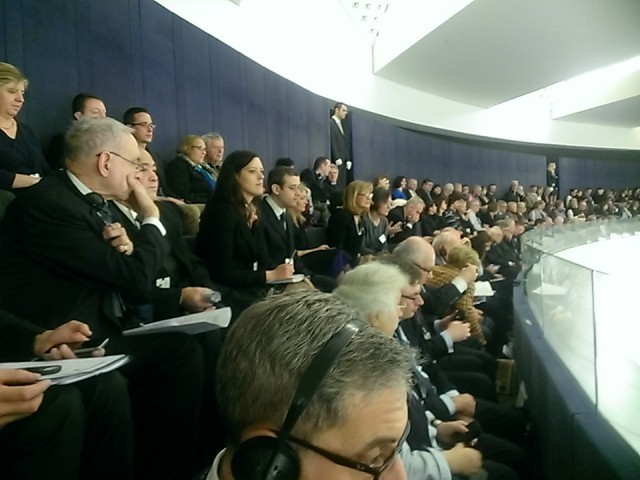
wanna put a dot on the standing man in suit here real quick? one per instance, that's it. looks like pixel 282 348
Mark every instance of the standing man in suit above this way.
pixel 60 242
pixel 340 144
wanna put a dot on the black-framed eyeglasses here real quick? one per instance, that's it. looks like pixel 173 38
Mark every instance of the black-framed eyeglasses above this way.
pixel 145 125
pixel 139 167
pixel 425 270
pixel 413 298
pixel 374 470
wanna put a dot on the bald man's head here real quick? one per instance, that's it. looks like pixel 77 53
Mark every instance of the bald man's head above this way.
pixel 420 253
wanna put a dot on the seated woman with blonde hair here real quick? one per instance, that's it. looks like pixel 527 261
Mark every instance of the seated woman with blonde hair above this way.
pixel 346 227
pixel 188 175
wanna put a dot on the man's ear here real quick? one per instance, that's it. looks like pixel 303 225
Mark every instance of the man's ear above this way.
pixel 104 164
pixel 77 115
pixel 276 189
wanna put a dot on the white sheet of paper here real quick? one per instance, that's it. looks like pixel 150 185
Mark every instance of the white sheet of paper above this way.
pixel 74 370
pixel 483 289
pixel 297 278
pixel 191 324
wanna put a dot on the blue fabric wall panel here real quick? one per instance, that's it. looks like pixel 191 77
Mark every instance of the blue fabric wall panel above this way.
pixel 193 88
pixel 158 76
pixel 298 127
pixel 256 123
pixel 318 126
pixel 14 35
pixel 277 114
pixel 583 172
pixel 48 97
pixel 230 98
pixel 110 58
pixel 137 54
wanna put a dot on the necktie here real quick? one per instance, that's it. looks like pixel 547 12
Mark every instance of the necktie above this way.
pixel 340 127
pixel 101 207
pixel 283 221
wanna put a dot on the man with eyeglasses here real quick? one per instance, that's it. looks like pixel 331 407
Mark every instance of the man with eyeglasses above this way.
pixel 356 419
pixel 139 119
pixel 63 257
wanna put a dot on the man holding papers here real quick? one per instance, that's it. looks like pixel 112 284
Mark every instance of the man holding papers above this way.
pixel 63 256
pixel 71 432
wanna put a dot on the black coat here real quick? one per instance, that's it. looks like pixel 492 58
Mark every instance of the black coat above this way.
pixel 185 183
pixel 55 266
pixel 231 251
pixel 343 234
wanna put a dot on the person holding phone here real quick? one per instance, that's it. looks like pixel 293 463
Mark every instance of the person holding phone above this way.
pixel 75 431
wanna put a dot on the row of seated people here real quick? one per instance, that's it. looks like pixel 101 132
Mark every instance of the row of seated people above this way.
pixel 95 246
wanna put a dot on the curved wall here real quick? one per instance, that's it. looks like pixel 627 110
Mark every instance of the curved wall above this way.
pixel 314 44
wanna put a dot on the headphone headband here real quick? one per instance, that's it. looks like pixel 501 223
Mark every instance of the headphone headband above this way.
pixel 316 372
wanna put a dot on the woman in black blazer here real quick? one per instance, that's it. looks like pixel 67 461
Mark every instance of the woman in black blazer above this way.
pixel 345 230
pixel 227 240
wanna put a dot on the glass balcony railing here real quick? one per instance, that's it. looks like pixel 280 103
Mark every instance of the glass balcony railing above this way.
pixel 581 281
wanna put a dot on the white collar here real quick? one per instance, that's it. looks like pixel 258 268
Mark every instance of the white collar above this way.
pixel 274 206
pixel 77 183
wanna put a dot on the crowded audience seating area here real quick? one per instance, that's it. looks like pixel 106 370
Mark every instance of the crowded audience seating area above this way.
pixel 371 322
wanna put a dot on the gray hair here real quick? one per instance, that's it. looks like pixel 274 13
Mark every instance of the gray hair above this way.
pixel 505 223
pixel 415 200
pixel 271 345
pixel 89 136
pixel 372 288
pixel 211 136
pixel 410 250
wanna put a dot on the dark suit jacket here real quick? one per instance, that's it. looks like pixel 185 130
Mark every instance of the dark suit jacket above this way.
pixel 343 234
pixel 229 248
pixel 315 184
pixel 425 196
pixel 181 266
pixel 55 266
pixel 278 243
pixel 16 338
pixel 397 215
pixel 339 142
pixel 437 377
pixel 340 148
pixel 185 183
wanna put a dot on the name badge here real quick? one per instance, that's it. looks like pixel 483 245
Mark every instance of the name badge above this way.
pixel 255 266
pixel 382 238
pixel 163 282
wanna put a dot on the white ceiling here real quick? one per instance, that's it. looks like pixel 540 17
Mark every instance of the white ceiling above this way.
pixel 493 51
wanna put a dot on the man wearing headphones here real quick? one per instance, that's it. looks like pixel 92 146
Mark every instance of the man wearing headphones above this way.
pixel 309 392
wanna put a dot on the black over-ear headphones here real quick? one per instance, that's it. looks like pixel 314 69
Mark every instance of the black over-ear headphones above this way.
pixel 272 458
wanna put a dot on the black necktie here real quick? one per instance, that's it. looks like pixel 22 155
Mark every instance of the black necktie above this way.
pixel 283 221
pixel 101 207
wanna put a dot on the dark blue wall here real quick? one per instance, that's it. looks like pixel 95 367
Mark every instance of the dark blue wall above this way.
pixel 134 52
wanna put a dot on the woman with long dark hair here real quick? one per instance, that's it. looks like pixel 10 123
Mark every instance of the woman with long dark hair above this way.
pixel 227 241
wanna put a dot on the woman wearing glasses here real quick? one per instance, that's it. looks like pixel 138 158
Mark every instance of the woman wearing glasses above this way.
pixel 21 161
pixel 188 175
